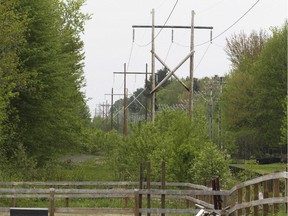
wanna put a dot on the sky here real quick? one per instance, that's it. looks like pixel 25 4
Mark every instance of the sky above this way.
pixel 108 39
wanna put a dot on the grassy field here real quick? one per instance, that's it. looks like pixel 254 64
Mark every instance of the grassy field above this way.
pixel 262 168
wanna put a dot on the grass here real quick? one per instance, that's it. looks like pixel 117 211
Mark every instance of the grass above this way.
pixel 92 169
pixel 262 168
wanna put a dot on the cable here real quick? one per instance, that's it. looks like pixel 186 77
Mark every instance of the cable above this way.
pixel 162 27
pixel 168 52
pixel 131 50
pixel 231 25
pixel 203 56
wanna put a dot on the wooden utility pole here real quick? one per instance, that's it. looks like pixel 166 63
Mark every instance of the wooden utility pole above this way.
pixel 191 67
pixel 125 129
pixel 140 73
pixel 211 112
pixel 146 98
pixel 112 109
pixel 153 67
pixel 171 72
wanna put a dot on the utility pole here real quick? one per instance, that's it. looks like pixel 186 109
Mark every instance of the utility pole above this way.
pixel 139 73
pixel 219 114
pixel 211 112
pixel 171 72
pixel 112 109
pixel 125 129
pixel 146 98
pixel 191 67
pixel 153 66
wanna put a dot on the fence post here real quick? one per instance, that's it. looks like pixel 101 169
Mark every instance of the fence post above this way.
pixel 14 198
pixel 66 202
pixel 136 195
pixel 276 193
pixel 148 186
pixel 52 201
pixel 163 186
pixel 140 186
pixel 256 197
pixel 247 199
pixel 240 197
pixel 217 198
pixel 265 195
pixel 126 198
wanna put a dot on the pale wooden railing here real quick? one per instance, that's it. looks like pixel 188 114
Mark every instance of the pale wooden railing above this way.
pixel 242 199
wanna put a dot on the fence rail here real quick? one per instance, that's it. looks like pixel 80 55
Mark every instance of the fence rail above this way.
pixel 241 199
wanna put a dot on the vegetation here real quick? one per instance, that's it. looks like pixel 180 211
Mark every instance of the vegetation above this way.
pixel 43 111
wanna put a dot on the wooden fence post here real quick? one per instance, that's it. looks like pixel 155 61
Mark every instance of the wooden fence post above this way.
pixel 240 197
pixel 52 201
pixel 67 202
pixel 256 197
pixel 247 199
pixel 148 185
pixel 140 186
pixel 14 198
pixel 126 198
pixel 163 186
pixel 217 198
pixel 266 195
pixel 276 193
pixel 136 195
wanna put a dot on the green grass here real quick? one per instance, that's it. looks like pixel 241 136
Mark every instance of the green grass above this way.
pixel 93 169
pixel 262 168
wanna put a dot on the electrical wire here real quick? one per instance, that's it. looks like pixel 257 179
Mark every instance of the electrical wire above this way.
pixel 203 56
pixel 168 52
pixel 162 27
pixel 231 24
pixel 213 38
pixel 130 55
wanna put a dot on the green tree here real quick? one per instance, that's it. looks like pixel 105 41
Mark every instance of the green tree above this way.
pixel 254 91
pixel 49 112
pixel 12 39
pixel 271 89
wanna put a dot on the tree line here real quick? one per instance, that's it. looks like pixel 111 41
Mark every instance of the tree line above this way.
pixel 43 110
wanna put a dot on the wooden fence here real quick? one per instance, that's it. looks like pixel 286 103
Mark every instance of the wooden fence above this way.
pixel 150 198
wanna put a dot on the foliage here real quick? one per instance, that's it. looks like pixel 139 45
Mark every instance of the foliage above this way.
pixel 173 138
pixel 42 108
pixel 253 93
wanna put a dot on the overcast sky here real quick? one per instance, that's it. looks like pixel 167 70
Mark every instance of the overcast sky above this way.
pixel 109 43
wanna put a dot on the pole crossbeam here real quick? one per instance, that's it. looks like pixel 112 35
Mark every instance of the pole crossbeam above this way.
pixel 172 27
pixel 131 72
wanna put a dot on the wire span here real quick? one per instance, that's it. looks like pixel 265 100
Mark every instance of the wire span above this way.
pixel 162 27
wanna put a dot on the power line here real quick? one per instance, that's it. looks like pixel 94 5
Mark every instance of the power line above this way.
pixel 202 57
pixel 231 24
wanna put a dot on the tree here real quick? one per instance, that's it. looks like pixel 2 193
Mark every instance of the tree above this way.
pixel 242 49
pixel 271 89
pixel 47 110
pixel 254 91
pixel 12 38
